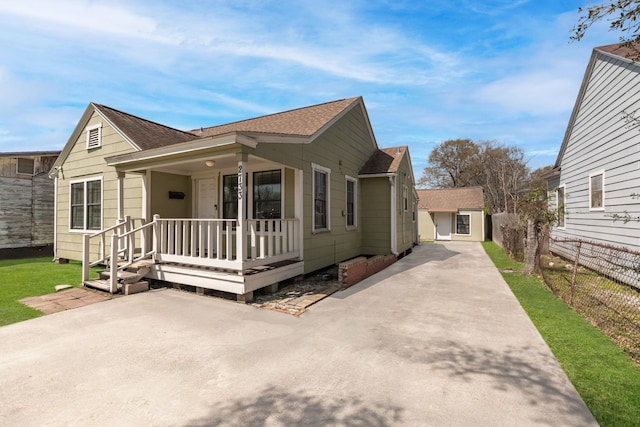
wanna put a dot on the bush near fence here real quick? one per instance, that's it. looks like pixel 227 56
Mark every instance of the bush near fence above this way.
pixel 508 232
pixel 602 283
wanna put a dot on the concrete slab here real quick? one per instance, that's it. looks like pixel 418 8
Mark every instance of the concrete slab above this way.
pixel 64 300
pixel 435 339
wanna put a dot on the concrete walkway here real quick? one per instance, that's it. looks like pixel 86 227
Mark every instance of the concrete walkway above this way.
pixel 436 339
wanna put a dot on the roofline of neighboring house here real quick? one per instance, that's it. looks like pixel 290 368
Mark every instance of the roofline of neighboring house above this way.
pixel 583 87
pixel 31 153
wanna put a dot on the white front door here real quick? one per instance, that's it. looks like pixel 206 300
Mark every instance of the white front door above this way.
pixel 207 208
pixel 207 202
pixel 443 225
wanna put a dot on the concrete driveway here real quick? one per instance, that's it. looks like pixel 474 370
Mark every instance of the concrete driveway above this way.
pixel 436 339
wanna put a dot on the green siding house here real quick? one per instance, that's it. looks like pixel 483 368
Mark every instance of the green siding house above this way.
pixel 234 207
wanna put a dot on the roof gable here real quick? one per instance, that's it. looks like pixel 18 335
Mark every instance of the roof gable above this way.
pixel 303 122
pixel 620 51
pixel 384 161
pixel 451 199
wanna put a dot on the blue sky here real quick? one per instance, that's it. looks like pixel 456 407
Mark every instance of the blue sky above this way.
pixel 429 71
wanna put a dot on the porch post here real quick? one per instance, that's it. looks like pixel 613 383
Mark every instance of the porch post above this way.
pixel 120 195
pixel 299 212
pixel 241 232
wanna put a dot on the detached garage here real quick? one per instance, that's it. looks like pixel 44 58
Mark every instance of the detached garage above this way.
pixel 451 214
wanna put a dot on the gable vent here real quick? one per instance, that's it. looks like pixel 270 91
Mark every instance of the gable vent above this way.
pixel 94 136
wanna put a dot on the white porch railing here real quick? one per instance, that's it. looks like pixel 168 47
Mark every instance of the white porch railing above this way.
pixel 216 243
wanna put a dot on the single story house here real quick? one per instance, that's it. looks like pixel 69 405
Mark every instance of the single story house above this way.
pixel 451 214
pixel 596 176
pixel 26 199
pixel 234 207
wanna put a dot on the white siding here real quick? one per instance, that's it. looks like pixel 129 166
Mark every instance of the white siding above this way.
pixel 601 140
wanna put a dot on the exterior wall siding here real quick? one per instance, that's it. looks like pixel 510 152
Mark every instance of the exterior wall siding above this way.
pixel 26 203
pixel 601 140
pixel 376 194
pixel 406 226
pixel 82 164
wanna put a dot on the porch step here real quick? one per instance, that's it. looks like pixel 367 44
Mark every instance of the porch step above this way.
pixel 101 284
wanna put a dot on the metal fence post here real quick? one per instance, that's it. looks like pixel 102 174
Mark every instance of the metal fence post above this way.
pixel 575 271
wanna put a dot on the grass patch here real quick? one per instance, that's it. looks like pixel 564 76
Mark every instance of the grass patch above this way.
pixel 606 378
pixel 21 278
pixel 499 258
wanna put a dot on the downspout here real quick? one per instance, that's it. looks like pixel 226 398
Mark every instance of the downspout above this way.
pixel 394 201
pixel 55 217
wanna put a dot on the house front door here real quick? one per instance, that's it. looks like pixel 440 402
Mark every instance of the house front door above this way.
pixel 207 203
pixel 207 208
pixel 443 225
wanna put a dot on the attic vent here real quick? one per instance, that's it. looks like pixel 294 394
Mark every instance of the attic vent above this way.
pixel 94 136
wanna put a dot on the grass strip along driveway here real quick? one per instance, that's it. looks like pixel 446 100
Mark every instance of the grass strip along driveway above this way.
pixel 606 378
pixel 21 278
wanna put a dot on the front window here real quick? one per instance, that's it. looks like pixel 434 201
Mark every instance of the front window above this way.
pixel 463 224
pixel 560 201
pixel 230 196
pixel 267 194
pixel 596 191
pixel 86 205
pixel 320 198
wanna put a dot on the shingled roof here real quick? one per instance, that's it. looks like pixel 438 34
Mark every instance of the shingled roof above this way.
pixel 451 199
pixel 385 160
pixel 623 50
pixel 304 121
pixel 144 133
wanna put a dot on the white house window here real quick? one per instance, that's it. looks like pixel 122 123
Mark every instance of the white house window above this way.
pixel 25 166
pixel 321 191
pixel 230 197
pixel 86 205
pixel 405 198
pixel 596 191
pixel 267 194
pixel 94 136
pixel 352 202
pixel 463 224
pixel 560 207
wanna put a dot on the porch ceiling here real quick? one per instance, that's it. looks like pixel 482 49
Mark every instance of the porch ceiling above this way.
pixel 226 162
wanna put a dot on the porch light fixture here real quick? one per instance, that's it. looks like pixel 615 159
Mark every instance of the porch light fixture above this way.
pixel 210 163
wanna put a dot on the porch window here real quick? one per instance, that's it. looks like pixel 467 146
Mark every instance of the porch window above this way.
pixel 351 202
pixel 86 205
pixel 560 206
pixel 321 190
pixel 267 194
pixel 596 191
pixel 463 222
pixel 230 196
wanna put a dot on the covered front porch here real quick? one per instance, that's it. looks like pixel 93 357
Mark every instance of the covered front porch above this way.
pixel 216 217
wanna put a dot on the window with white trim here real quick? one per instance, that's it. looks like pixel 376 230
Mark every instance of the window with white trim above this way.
pixel 560 206
pixel 267 194
pixel 352 202
pixel 94 136
pixel 321 191
pixel 405 198
pixel 463 224
pixel 26 166
pixel 596 191
pixel 85 205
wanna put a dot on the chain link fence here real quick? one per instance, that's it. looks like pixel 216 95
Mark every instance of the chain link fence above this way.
pixel 600 282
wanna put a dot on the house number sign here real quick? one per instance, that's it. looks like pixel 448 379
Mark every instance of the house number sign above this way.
pixel 240 181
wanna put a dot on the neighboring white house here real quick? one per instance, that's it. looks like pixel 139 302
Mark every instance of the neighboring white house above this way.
pixel 597 172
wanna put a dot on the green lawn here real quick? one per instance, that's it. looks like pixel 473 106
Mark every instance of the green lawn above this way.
pixel 31 277
pixel 606 378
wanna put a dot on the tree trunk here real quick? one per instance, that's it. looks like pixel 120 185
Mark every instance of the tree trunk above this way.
pixel 531 254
